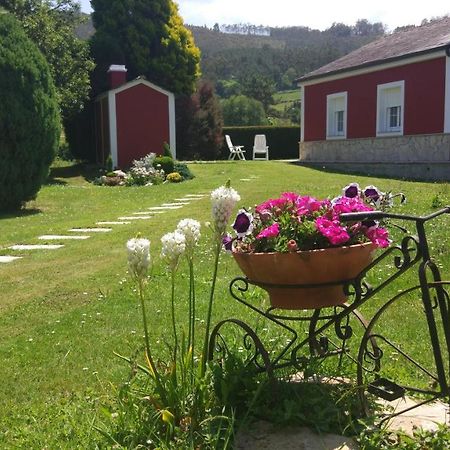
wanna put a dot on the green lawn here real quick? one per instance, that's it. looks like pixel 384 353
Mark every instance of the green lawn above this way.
pixel 63 313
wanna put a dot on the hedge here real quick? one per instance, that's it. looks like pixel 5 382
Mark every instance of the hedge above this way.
pixel 282 141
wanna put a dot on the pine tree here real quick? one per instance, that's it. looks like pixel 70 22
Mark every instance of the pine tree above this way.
pixel 149 37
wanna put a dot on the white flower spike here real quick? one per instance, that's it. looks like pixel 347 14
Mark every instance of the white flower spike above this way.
pixel 223 201
pixel 138 256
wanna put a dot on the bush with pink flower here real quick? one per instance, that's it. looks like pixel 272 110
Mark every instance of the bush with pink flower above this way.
pixel 295 222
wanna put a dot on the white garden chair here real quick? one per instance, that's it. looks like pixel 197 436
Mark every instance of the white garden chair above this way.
pixel 260 149
pixel 235 150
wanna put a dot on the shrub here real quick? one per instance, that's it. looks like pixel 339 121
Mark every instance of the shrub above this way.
pixel 29 117
pixel 174 177
pixel 199 124
pixel 165 162
pixel 183 170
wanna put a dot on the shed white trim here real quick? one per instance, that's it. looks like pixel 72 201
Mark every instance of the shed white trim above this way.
pixel 113 127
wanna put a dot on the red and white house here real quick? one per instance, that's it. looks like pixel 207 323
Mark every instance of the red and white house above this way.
pixel 387 102
pixel 133 119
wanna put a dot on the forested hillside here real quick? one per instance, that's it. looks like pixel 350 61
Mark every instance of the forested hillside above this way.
pixel 283 56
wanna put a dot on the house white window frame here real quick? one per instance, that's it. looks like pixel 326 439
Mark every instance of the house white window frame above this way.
pixel 383 112
pixel 333 114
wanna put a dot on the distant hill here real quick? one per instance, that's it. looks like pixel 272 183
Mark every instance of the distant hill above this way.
pixel 286 54
pixel 290 50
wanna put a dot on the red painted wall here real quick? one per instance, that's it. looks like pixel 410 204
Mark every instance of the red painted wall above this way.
pixel 142 123
pixel 424 100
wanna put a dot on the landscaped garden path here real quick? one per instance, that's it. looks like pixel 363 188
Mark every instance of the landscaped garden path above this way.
pixel 122 220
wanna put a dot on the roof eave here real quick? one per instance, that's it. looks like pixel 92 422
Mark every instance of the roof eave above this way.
pixel 373 63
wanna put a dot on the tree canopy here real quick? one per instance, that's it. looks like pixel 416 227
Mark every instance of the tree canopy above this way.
pixel 149 37
pixel 51 24
pixel 29 116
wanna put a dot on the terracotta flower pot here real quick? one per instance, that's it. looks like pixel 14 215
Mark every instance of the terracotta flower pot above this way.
pixel 306 267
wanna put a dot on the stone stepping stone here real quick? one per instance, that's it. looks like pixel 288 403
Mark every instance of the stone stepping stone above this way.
pixel 36 246
pixel 56 237
pixel 146 213
pixel 188 199
pixel 175 204
pixel 90 230
pixel 112 223
pixel 158 208
pixel 8 259
pixel 135 217
pixel 195 195
pixel 245 179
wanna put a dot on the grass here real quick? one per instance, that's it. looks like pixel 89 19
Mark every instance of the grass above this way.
pixel 63 313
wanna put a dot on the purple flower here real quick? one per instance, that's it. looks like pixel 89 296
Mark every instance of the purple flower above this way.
pixel 372 193
pixel 351 191
pixel 243 224
pixel 272 231
pixel 227 242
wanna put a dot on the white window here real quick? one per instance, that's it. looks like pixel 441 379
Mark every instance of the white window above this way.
pixel 337 116
pixel 390 107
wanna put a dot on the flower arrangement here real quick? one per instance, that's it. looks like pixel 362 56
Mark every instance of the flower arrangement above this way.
pixel 295 222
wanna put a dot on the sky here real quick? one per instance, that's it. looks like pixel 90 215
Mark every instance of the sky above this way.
pixel 315 14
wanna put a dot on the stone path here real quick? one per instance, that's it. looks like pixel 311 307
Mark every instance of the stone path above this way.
pixel 7 259
pixel 102 227
pixel 264 435
pixel 60 237
pixel 36 246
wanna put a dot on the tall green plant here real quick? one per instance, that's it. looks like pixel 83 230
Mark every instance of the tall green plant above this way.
pixel 180 408
pixel 29 116
pixel 149 37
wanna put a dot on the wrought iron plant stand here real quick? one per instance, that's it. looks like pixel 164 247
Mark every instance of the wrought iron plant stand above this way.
pixel 373 345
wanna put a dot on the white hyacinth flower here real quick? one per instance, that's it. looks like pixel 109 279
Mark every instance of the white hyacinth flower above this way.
pixel 138 256
pixel 173 246
pixel 191 230
pixel 223 201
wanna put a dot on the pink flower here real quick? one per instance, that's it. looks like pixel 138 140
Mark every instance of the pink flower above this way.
pixel 307 205
pixel 270 204
pixel 292 246
pixel 290 196
pixel 269 232
pixel 347 205
pixel 379 236
pixel 332 230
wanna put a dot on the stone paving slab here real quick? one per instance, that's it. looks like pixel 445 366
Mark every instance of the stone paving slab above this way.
pixel 8 259
pixel 113 223
pixel 146 213
pixel 90 230
pixel 176 204
pixel 195 195
pixel 159 208
pixel 265 436
pixel 135 217
pixel 427 416
pixel 188 198
pixel 36 246
pixel 56 237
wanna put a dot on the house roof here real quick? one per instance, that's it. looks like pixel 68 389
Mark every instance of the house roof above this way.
pixel 427 38
pixel 129 84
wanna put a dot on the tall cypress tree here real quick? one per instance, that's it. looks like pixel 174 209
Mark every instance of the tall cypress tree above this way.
pixel 149 37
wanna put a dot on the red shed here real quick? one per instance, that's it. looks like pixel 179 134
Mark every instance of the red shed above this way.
pixel 385 103
pixel 133 119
